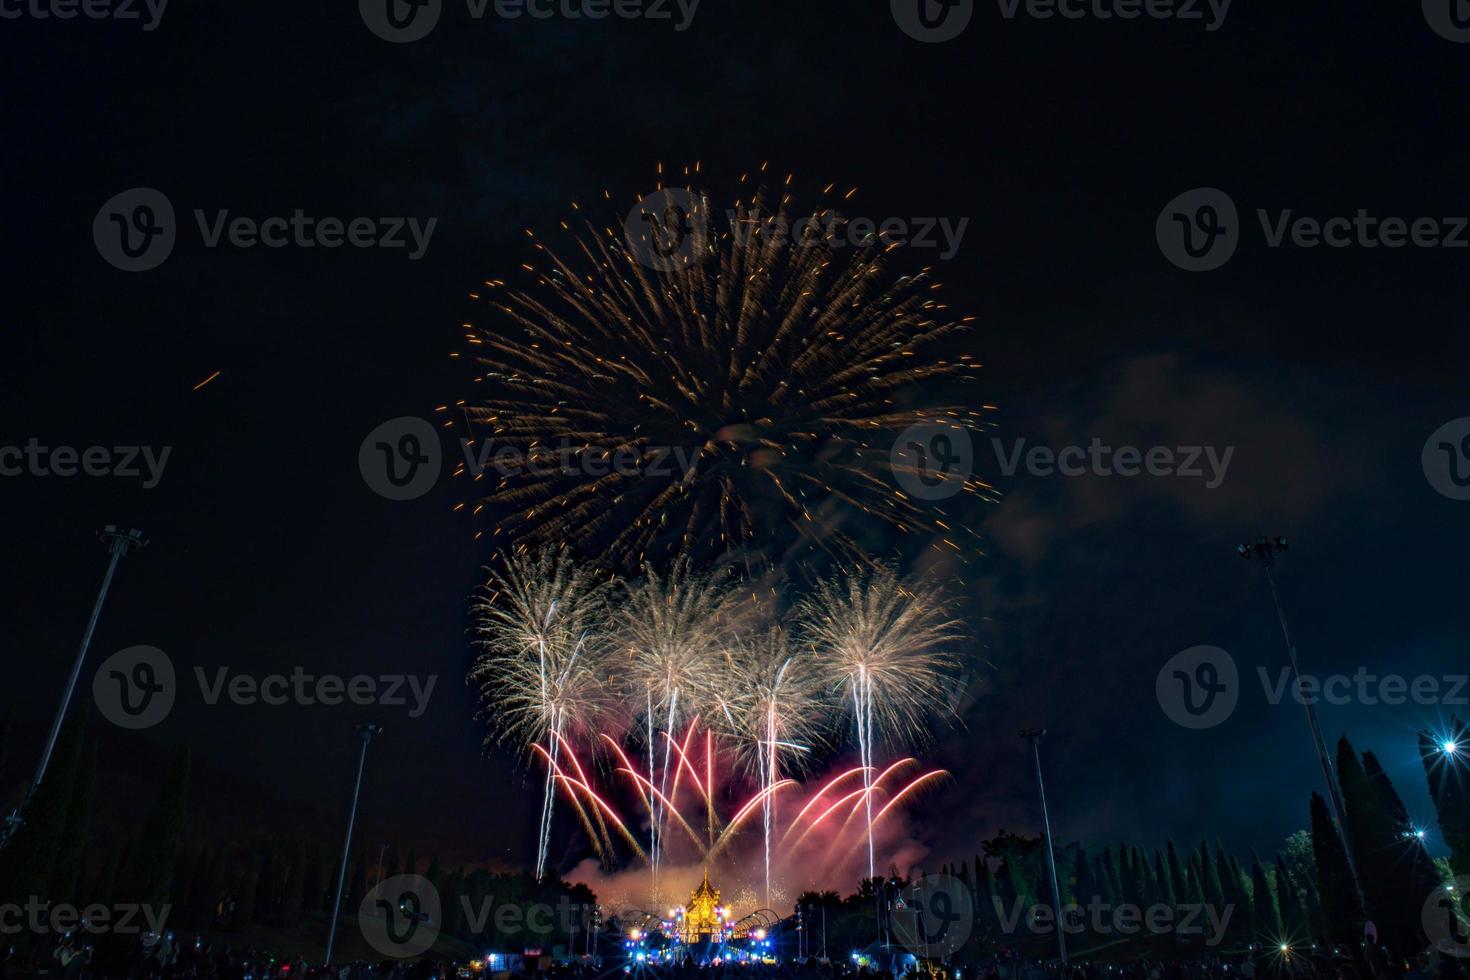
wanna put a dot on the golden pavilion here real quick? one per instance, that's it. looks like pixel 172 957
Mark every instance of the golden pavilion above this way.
pixel 704 917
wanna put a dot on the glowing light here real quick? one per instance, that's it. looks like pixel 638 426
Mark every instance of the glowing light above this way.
pixel 814 344
pixel 575 660
pixel 1449 748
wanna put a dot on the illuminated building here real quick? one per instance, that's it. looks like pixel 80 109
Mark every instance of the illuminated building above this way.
pixel 703 917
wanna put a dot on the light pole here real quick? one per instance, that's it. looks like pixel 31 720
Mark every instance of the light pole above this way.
pixel 1033 735
pixel 1263 551
pixel 366 733
pixel 118 543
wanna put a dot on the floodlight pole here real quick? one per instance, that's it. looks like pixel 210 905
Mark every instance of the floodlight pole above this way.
pixel 1264 551
pixel 118 543
pixel 366 733
pixel 1033 735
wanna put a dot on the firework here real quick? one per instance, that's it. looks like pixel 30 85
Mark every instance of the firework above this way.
pixel 538 623
pixel 777 713
pixel 885 645
pixel 729 410
pixel 810 817
pixel 681 674
pixel 669 633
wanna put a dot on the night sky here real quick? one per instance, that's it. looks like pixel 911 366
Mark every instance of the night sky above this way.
pixel 1060 140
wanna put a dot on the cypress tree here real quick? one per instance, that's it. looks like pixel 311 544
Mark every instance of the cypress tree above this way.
pixel 1177 878
pixel 1088 890
pixel 1316 919
pixel 267 891
pixel 1111 871
pixel 1230 890
pixel 1144 877
pixel 27 861
pixel 1449 788
pixel 1163 881
pixel 1245 909
pixel 1367 831
pixel 181 892
pixel 357 885
pixel 329 897
pixel 150 868
pixel 1340 912
pixel 1265 913
pixel 76 892
pixel 1101 879
pixel 1406 872
pixel 94 887
pixel 1210 883
pixel 249 887
pixel 1005 890
pixel 1149 882
pixel 1013 880
pixel 217 883
pixel 110 878
pixel 986 896
pixel 1196 878
pixel 197 913
pixel 1132 878
pixel 476 892
pixel 109 957
pixel 293 899
pixel 146 875
pixel 313 884
pixel 67 870
pixel 454 908
pixel 1289 904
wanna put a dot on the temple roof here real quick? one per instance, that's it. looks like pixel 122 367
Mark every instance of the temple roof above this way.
pixel 705 890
